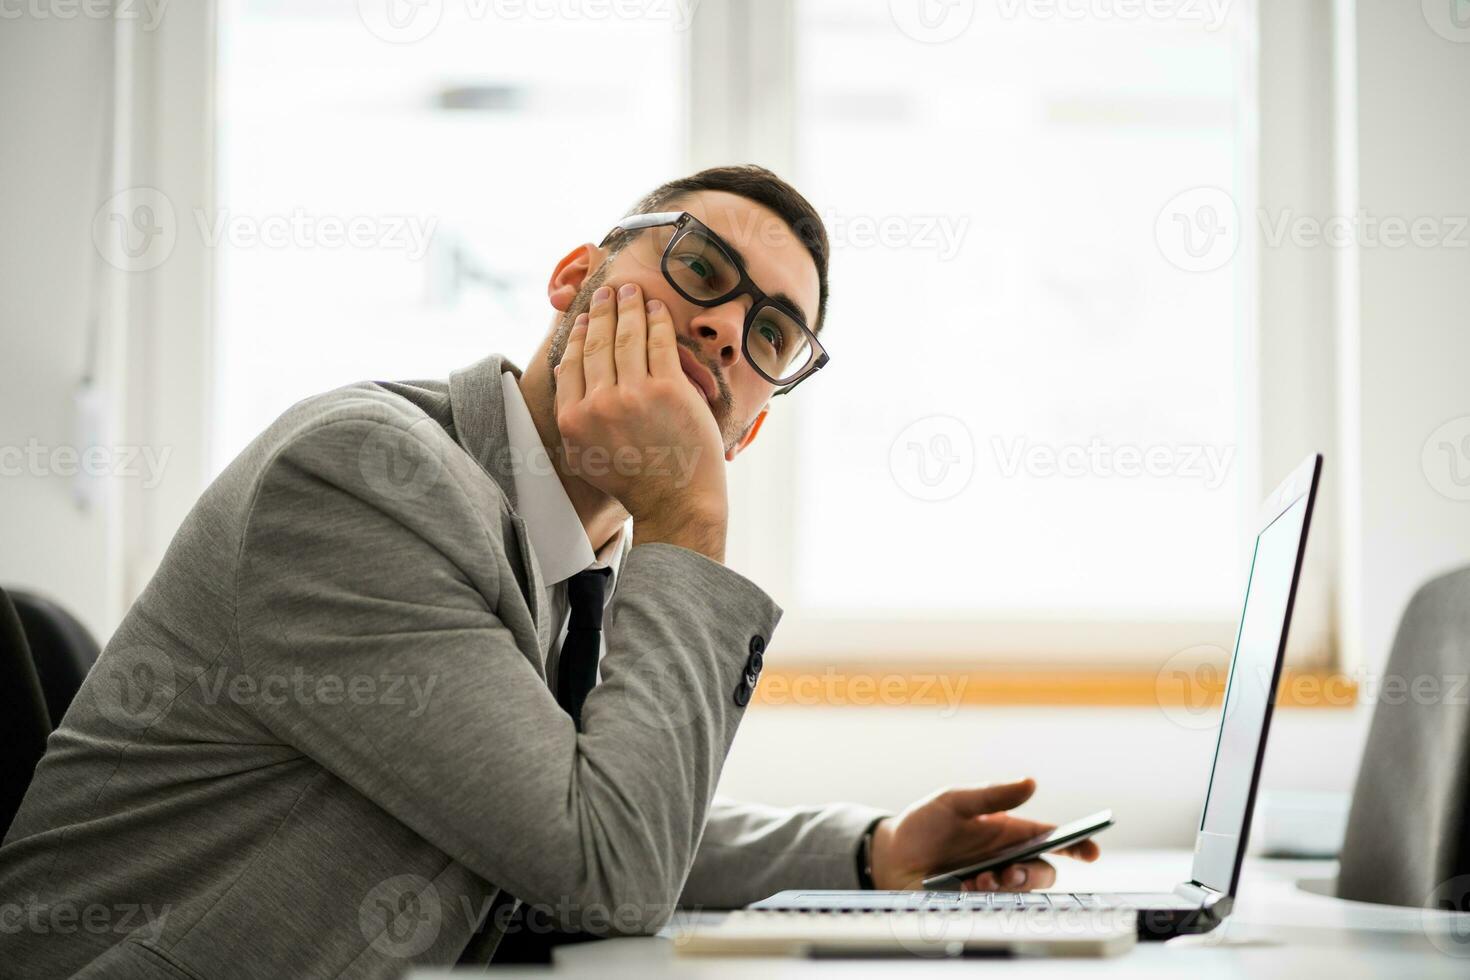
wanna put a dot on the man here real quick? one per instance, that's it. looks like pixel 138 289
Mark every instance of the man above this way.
pixel 359 704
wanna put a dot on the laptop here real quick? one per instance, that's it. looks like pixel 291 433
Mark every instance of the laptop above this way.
pixel 817 921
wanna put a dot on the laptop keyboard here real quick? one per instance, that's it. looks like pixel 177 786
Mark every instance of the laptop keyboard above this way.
pixel 915 901
pixel 935 901
pixel 1030 900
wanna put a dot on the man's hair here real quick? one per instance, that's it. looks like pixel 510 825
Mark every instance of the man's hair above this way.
pixel 764 188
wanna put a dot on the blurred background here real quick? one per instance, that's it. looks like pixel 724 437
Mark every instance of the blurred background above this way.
pixel 1103 273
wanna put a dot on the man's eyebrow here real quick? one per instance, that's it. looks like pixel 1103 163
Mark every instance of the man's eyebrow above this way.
pixel 778 297
pixel 795 307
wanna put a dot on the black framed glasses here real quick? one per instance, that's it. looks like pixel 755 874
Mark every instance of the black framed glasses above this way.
pixel 707 272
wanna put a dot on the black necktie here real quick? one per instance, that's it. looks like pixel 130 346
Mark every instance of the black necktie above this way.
pixel 576 671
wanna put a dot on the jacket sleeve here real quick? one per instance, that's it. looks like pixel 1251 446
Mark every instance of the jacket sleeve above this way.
pixel 750 852
pixel 352 570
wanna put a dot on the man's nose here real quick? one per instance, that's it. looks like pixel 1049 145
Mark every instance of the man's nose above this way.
pixel 717 330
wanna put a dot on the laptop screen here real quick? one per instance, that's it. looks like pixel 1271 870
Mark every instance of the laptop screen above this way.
pixel 1247 699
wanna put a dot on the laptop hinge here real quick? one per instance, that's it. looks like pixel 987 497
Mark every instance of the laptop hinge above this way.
pixel 1197 893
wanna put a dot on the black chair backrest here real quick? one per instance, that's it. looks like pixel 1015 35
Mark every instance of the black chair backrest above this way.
pixel 1408 833
pixel 61 648
pixel 24 721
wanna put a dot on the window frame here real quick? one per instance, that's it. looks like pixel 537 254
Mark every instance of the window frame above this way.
pixel 740 104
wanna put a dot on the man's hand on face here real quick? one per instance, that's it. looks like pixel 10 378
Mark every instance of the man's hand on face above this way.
pixel 656 447
pixel 957 827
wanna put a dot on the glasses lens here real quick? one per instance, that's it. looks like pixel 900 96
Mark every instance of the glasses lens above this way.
pixel 778 345
pixel 700 268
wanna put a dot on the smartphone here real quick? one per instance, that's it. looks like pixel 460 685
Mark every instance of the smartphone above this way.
pixel 1071 833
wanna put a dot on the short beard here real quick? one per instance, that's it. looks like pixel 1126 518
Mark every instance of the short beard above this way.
pixel 731 432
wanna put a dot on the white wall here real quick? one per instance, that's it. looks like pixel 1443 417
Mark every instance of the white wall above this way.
pixel 1149 769
pixel 1409 365
pixel 53 127
pixel 65 71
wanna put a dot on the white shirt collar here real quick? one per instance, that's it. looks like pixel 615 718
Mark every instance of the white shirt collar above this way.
pixel 556 532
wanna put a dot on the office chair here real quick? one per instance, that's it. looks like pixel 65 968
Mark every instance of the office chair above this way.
pixel 1408 833
pixel 61 648
pixel 24 720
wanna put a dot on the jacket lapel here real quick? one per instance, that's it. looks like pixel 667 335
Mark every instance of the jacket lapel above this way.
pixel 477 404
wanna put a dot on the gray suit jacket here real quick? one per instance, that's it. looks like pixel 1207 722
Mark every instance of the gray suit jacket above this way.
pixel 324 738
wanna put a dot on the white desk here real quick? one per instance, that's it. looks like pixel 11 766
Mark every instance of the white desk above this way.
pixel 1280 928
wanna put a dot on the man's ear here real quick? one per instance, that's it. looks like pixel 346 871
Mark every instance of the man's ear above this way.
pixel 749 436
pixel 570 273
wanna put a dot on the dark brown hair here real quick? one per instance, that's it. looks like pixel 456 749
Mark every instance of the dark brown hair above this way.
pixel 764 188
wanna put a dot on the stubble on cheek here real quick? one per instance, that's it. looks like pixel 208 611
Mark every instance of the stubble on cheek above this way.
pixel 580 304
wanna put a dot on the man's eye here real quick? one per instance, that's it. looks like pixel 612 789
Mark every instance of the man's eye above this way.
pixel 697 266
pixel 772 336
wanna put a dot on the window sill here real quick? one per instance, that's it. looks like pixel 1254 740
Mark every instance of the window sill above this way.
pixel 866 685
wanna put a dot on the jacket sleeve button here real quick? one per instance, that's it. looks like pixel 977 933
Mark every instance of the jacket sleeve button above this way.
pixel 757 644
pixel 742 694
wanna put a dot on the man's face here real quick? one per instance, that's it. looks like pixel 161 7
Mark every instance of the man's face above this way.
pixel 774 258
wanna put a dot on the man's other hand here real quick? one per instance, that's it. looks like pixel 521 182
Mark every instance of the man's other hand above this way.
pixel 957 827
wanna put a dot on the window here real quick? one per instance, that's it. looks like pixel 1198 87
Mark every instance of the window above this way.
pixel 392 194
pixel 1030 435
